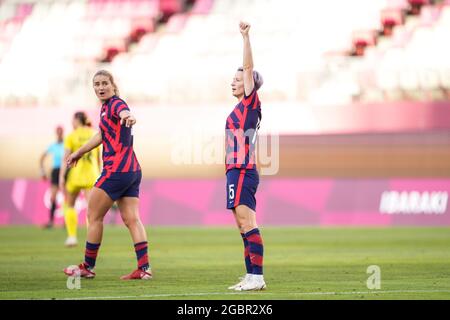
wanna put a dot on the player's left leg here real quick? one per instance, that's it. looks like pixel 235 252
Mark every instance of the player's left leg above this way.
pixel 129 211
pixel 248 264
pixel 246 217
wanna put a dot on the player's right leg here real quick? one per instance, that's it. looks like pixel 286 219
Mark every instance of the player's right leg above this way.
pixel 98 205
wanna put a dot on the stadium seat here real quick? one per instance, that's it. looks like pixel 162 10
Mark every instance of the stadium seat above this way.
pixel 89 34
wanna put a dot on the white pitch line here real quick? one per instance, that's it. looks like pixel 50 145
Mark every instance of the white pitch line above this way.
pixel 167 295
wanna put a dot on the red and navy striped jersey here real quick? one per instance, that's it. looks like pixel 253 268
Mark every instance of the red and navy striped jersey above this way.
pixel 117 140
pixel 240 133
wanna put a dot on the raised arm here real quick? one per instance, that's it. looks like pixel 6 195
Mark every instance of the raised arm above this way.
pixel 247 64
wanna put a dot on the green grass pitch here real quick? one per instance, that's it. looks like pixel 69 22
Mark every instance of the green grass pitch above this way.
pixel 200 263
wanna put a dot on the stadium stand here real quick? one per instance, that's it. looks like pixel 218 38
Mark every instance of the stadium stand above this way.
pixel 168 51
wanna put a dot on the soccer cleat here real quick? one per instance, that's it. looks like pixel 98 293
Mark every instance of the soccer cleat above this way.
pixel 138 274
pixel 253 284
pixel 80 270
pixel 244 279
pixel 71 242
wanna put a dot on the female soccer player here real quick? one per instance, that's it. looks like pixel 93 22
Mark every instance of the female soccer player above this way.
pixel 119 181
pixel 242 177
pixel 80 178
pixel 56 150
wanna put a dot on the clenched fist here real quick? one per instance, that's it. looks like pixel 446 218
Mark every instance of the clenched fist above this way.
pixel 244 27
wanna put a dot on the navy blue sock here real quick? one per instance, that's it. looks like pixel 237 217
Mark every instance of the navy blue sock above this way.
pixel 256 250
pixel 90 254
pixel 248 263
pixel 141 249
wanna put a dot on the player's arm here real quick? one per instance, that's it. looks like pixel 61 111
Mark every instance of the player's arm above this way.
pixel 94 142
pixel 127 118
pixel 41 165
pixel 247 64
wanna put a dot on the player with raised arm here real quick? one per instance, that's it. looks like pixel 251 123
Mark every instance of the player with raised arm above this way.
pixel 242 176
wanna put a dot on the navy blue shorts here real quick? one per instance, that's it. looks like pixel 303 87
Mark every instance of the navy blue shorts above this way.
pixel 120 184
pixel 54 177
pixel 241 187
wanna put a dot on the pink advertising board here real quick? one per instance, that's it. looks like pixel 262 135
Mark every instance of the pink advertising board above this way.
pixel 323 202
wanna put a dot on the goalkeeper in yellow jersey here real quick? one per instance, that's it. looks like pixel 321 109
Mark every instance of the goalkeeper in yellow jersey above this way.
pixel 80 177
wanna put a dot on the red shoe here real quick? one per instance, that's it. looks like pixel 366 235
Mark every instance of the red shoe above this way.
pixel 79 270
pixel 138 274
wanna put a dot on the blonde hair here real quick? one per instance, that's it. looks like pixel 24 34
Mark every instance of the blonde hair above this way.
pixel 110 77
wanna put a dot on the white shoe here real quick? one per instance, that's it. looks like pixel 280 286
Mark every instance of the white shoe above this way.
pixel 255 283
pixel 71 242
pixel 240 283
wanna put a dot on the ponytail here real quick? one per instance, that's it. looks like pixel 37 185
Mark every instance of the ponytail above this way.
pixel 83 118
